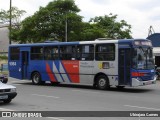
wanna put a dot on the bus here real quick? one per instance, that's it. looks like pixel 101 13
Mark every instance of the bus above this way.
pixel 101 63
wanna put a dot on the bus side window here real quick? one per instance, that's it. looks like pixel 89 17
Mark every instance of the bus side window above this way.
pixel 36 53
pixel 78 52
pixel 73 54
pixel 55 53
pixel 85 52
pixel 14 53
pixel 47 53
pixel 66 52
pixel 105 52
pixel 51 53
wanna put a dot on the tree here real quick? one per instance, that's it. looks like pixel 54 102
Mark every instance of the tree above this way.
pixel 49 23
pixel 90 32
pixel 112 29
pixel 16 19
pixel 16 16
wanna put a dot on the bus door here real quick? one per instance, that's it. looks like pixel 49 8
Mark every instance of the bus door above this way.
pixel 24 59
pixel 124 66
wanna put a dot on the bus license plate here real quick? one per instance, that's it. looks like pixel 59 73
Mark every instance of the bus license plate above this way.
pixel 4 97
pixel 149 82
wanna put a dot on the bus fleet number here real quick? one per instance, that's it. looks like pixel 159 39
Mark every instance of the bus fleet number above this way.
pixel 12 63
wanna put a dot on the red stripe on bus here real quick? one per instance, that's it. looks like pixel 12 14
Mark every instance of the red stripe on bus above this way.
pixel 72 70
pixel 50 73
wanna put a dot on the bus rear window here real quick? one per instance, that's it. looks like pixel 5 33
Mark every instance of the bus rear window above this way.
pixel 14 53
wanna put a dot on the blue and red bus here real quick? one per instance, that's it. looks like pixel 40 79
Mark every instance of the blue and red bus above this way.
pixel 102 63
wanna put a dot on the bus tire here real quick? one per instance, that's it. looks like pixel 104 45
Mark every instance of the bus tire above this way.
pixel 102 82
pixel 36 78
pixel 95 86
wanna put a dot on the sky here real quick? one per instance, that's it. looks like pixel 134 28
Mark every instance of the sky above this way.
pixel 140 14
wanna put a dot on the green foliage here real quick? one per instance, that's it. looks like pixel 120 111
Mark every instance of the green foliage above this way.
pixel 91 32
pixel 16 20
pixel 112 28
pixel 16 16
pixel 3 57
pixel 49 24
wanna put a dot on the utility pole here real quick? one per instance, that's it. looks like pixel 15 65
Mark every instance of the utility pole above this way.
pixel 66 36
pixel 10 25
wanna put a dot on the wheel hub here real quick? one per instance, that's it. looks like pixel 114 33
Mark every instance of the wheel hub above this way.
pixel 102 82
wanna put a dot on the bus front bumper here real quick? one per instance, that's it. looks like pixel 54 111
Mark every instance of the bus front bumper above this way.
pixel 136 82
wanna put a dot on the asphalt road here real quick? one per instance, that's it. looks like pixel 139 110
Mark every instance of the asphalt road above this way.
pixel 65 97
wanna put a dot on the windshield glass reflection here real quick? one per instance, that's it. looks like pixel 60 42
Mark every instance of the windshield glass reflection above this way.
pixel 143 58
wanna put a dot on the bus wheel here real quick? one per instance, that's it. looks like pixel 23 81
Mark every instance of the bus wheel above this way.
pixel 102 82
pixel 36 78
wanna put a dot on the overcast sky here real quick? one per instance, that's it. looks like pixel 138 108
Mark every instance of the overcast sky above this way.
pixel 140 14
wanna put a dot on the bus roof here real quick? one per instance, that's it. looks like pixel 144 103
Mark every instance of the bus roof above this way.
pixel 79 42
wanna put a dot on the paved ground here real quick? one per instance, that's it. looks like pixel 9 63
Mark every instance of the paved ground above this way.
pixel 83 98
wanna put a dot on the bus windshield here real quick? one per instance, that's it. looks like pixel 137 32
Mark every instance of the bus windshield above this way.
pixel 143 58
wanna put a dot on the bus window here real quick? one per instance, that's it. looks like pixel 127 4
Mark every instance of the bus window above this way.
pixel 105 52
pixel 55 53
pixel 36 53
pixel 68 52
pixel 142 58
pixel 85 52
pixel 14 53
pixel 51 53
